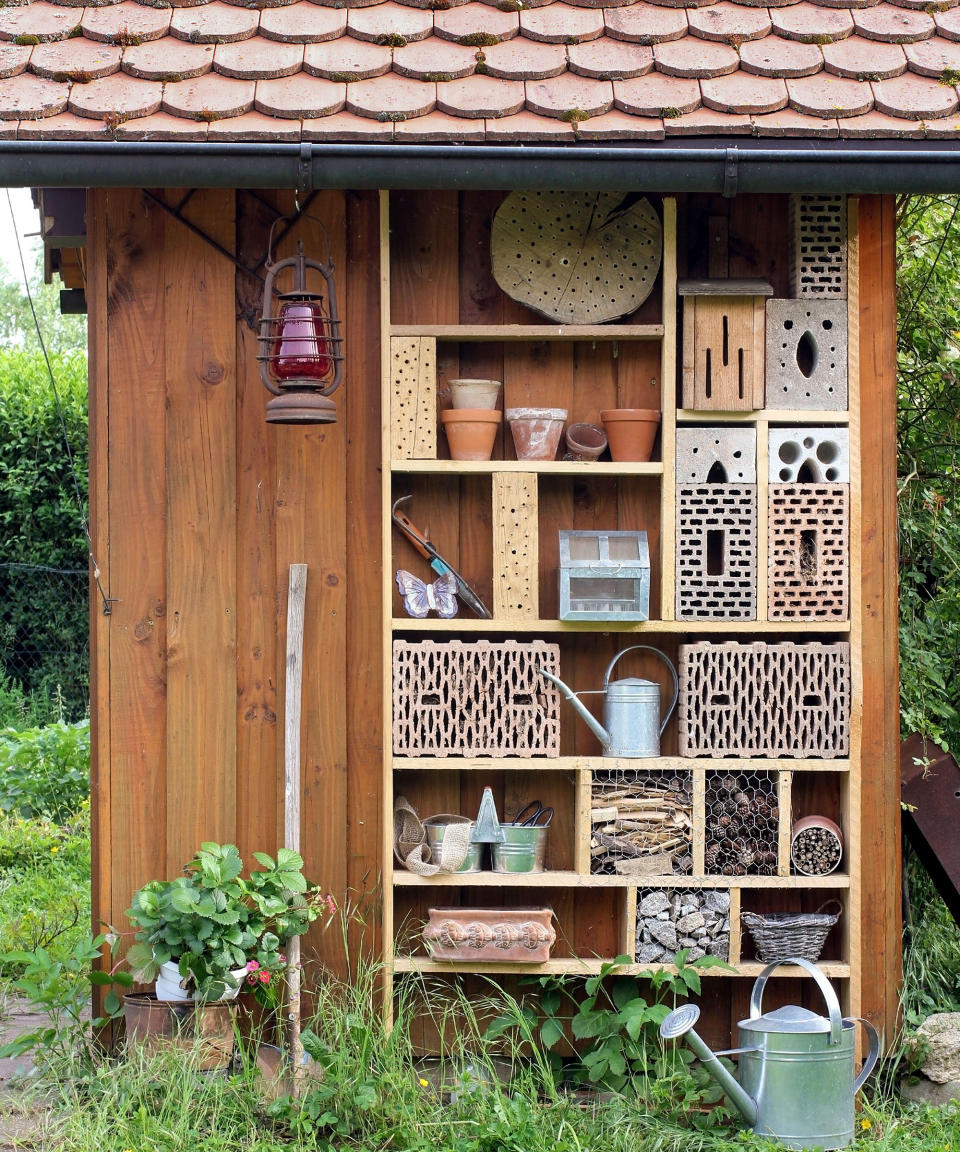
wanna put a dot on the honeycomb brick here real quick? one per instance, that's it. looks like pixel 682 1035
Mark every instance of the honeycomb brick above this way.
pixel 809 455
pixel 818 257
pixel 717 552
pixel 716 455
pixel 789 700
pixel 808 571
pixel 806 356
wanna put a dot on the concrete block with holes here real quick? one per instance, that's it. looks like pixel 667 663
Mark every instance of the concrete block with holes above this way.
pixel 716 565
pixel 716 456
pixel 783 700
pixel 806 361
pixel 808 566
pixel 809 456
pixel 818 251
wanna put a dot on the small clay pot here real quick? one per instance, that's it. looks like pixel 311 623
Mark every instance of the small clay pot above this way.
pixel 536 431
pixel 471 432
pixel 474 393
pixel 631 432
pixel 585 441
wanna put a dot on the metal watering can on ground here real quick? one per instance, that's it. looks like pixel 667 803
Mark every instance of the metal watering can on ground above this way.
pixel 631 709
pixel 796 1081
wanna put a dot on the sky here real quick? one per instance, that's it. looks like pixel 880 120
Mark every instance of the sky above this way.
pixel 25 220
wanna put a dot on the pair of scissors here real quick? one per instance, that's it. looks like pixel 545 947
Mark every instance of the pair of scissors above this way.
pixel 534 815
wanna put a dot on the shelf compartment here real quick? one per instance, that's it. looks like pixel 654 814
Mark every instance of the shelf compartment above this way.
pixel 579 967
pixel 582 880
pixel 758 415
pixel 584 468
pixel 610 763
pixel 528 332
pixel 683 627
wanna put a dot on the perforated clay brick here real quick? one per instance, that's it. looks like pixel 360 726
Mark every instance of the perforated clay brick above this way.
pixel 818 257
pixel 717 552
pixel 806 361
pixel 475 699
pixel 808 569
pixel 809 456
pixel 764 699
pixel 716 456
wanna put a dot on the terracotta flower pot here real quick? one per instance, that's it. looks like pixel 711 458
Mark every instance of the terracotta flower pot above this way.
pixel 474 393
pixel 585 441
pixel 631 432
pixel 154 1024
pixel 536 431
pixel 471 432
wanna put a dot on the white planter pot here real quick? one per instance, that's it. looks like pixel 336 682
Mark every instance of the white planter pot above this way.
pixel 168 984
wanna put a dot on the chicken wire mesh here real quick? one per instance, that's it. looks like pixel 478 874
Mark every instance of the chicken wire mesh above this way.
pixel 742 823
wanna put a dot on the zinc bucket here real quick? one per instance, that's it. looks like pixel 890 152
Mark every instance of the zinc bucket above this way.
pixel 436 826
pixel 522 850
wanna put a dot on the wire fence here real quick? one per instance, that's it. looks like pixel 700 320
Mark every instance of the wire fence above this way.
pixel 44 642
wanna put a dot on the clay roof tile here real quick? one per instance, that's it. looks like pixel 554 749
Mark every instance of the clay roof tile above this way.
pixel 389 23
pixel 609 59
pixel 744 94
pixel 522 59
pixel 477 25
pixel 656 95
pixel 168 59
pixel 214 23
pixel 480 97
pixel 731 23
pixel 434 59
pixel 346 59
pixel 38 22
pixel 294 97
pixel 864 59
pixel 560 23
pixel 258 59
pixel 391 97
pixel 27 97
pixel 302 23
pixel 774 56
pixel 696 58
pixel 569 97
pixel 644 23
pixel 77 59
pixel 829 97
pixel 127 23
pixel 115 98
pixel 209 97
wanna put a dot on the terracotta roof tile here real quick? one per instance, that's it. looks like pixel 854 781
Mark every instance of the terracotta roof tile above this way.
pixel 948 23
pixel 788 122
pixel 13 59
pixel 522 59
pixel 294 97
pixel 604 3
pixel 864 59
pixel 431 4
pixel 168 59
pixel 11 129
pixel 27 97
pixel 774 56
pixel 878 125
pixel 559 23
pixel 812 24
pixel 347 59
pixel 617 125
pixel 656 95
pixel 850 3
pixel 208 97
pixel 435 59
pixel 646 23
pixel 391 97
pixel 438 126
pixel 939 6
pixel 214 23
pixel 389 23
pixel 528 127
pixel 829 96
pixel 302 23
pixel 933 57
pixel 161 126
pixel 692 57
pixel 608 59
pixel 258 59
pixel 254 126
pixel 346 126
pixel 343 4
pixel 569 97
pixel 946 129
pixel 38 22
pixel 126 23
pixel 175 4
pixel 476 24
pixel 744 94
pixel 66 126
pixel 118 97
pixel 731 23
pixel 681 3
pixel 480 97
pixel 77 59
pixel 706 122
pixel 894 25
pixel 915 97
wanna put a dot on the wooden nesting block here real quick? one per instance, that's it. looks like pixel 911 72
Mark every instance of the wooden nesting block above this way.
pixel 413 404
pixel 723 344
pixel 808 569
pixel 516 593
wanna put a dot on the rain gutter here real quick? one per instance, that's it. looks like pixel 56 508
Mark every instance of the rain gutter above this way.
pixel 712 166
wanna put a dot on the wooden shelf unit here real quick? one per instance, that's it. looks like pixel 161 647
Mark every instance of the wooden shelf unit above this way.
pixel 625 494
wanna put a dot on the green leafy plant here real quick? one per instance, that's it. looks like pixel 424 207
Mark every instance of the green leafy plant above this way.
pixel 211 921
pixel 45 771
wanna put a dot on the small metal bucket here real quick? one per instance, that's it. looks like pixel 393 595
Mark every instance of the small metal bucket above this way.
pixel 436 826
pixel 522 850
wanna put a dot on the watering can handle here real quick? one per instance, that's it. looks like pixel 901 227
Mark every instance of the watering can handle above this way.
pixel 873 1052
pixel 826 988
pixel 665 659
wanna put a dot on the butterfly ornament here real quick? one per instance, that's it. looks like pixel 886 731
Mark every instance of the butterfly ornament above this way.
pixel 420 598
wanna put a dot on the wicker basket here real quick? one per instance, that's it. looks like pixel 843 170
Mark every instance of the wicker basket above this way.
pixel 783 935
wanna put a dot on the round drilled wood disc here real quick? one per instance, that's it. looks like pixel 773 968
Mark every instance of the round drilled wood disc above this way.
pixel 577 257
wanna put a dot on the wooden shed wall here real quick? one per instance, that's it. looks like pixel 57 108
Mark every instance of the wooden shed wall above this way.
pixel 199 507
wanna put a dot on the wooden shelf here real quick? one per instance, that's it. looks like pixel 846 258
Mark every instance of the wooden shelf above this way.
pixel 577 967
pixel 531 331
pixel 769 415
pixel 403 879
pixel 543 467
pixel 687 627
pixel 611 764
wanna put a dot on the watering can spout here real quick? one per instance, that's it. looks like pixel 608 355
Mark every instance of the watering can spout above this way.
pixel 591 721
pixel 680 1022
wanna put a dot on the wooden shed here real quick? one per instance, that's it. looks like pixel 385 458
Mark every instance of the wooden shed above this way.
pixel 751 137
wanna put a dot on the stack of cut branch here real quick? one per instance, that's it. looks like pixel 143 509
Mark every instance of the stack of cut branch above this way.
pixel 641 826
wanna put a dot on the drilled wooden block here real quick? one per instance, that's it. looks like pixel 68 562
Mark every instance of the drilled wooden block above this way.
pixel 515 546
pixel 723 347
pixel 716 455
pixel 808 569
pixel 413 389
pixel 716 569
pixel 806 362
pixel 809 455
pixel 458 698
pixel 764 699
pixel 818 256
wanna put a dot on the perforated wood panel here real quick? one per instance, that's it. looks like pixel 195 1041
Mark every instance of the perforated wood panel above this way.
pixel 818 257
pixel 577 257
pixel 515 546
pixel 717 552
pixel 413 417
pixel 808 570
pixel 764 699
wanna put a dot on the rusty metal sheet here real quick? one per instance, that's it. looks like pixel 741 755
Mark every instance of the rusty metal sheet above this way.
pixel 930 786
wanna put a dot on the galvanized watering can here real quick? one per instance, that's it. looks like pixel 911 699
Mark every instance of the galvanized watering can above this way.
pixel 796 1081
pixel 631 709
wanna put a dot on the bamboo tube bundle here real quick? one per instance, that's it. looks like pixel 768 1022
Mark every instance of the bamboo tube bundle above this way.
pixel 742 821
pixel 641 824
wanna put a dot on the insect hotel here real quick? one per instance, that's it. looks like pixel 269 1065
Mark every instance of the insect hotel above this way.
pixel 639 222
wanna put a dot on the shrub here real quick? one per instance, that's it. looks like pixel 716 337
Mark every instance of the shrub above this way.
pixel 45 771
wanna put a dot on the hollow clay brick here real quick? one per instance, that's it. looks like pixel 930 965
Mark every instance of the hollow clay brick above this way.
pixel 806 357
pixel 809 455
pixel 808 567
pixel 818 257
pixel 716 455
pixel 716 568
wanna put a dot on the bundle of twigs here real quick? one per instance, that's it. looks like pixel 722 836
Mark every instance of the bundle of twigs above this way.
pixel 642 826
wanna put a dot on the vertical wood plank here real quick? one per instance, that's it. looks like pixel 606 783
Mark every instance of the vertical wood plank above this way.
pixel 699 829
pixel 668 418
pixel 736 928
pixel 516 550
pixel 785 823
pixel 200 354
pixel 424 280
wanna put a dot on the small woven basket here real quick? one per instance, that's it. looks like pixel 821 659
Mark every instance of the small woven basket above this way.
pixel 783 935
